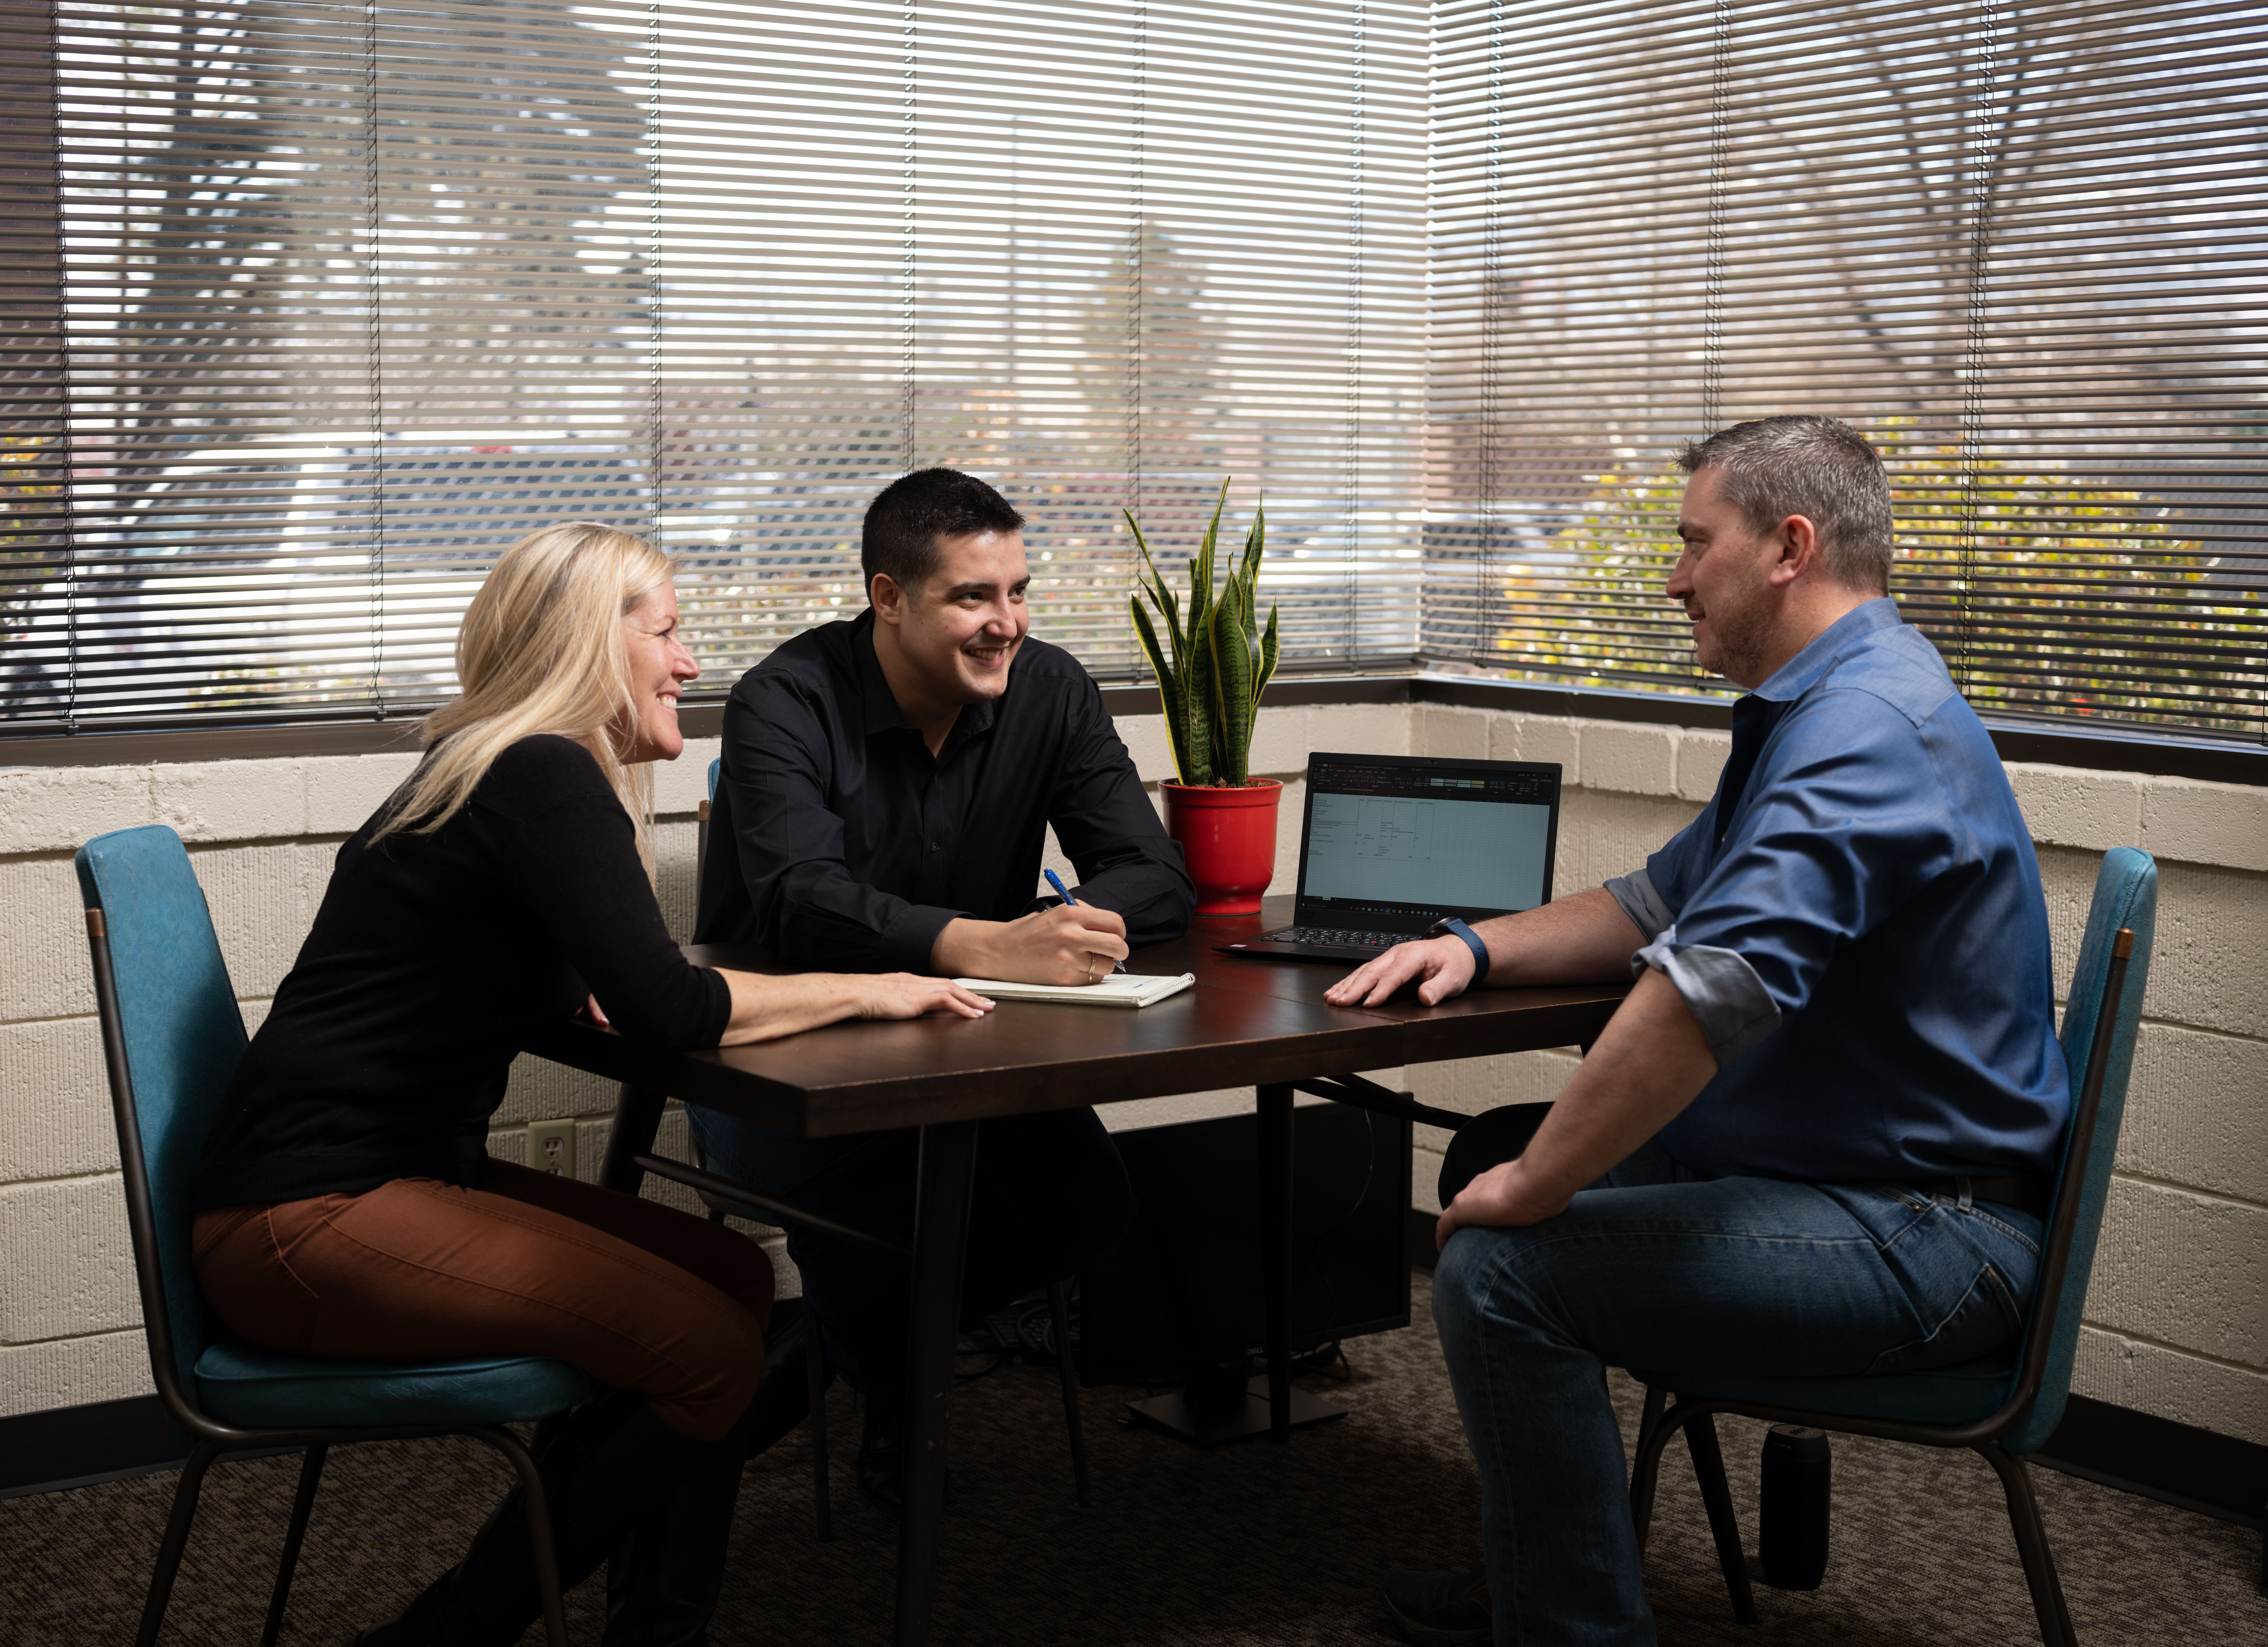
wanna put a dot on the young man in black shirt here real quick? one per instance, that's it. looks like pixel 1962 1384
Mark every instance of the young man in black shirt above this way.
pixel 886 787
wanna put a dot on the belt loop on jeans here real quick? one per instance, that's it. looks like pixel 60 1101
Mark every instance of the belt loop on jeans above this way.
pixel 1968 1194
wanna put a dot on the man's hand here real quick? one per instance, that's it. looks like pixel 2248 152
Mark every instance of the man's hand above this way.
pixel 1444 964
pixel 1504 1194
pixel 1068 944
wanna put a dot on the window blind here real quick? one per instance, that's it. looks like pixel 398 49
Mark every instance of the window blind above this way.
pixel 348 298
pixel 2020 246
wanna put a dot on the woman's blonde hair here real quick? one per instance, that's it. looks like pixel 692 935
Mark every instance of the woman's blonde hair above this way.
pixel 540 650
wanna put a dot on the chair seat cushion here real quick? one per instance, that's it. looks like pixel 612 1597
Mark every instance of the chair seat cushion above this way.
pixel 240 1384
pixel 1957 1394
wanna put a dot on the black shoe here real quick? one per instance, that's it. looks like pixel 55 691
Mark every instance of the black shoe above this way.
pixel 1439 1609
pixel 882 1456
pixel 612 1464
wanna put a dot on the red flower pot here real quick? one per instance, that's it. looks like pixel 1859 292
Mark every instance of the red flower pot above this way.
pixel 1228 839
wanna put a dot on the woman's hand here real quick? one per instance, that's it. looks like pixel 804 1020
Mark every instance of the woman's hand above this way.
pixel 908 995
pixel 767 1007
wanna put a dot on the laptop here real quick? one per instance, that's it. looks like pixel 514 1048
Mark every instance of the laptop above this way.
pixel 1393 843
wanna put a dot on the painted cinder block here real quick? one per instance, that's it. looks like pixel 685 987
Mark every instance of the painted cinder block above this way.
pixel 2160 1378
pixel 2224 824
pixel 2197 1113
pixel 73 1371
pixel 1281 738
pixel 1362 729
pixel 2065 806
pixel 70 1260
pixel 1701 757
pixel 47 973
pixel 258 898
pixel 2184 1268
pixel 540 1090
pixel 1629 758
pixel 1449 733
pixel 232 801
pixel 1148 746
pixel 1549 737
pixel 59 809
pixel 343 791
pixel 1604 833
pixel 55 1101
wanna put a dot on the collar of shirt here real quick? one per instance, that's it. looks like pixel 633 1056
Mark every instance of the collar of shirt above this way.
pixel 1801 673
pixel 879 705
pixel 1754 715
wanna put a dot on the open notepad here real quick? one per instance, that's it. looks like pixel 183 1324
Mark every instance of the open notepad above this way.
pixel 1119 989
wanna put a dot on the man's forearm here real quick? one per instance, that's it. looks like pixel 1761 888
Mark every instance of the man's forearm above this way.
pixel 1650 1064
pixel 1583 939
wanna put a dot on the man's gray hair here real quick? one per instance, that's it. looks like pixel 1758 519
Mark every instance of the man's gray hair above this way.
pixel 1818 467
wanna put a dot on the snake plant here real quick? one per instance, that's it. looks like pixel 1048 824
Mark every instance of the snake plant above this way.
pixel 1217 658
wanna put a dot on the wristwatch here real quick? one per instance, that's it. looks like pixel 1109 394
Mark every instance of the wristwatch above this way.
pixel 1449 926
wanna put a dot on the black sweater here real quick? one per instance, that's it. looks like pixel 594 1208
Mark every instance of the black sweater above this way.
pixel 431 961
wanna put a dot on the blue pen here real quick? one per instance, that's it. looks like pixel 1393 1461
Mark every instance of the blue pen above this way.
pixel 1063 892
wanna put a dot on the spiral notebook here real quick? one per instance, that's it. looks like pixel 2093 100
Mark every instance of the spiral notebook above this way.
pixel 1121 988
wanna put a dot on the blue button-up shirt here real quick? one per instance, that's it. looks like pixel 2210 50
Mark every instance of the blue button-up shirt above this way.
pixel 1857 924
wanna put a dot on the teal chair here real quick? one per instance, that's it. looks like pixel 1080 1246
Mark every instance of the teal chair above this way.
pixel 172 1036
pixel 2005 1405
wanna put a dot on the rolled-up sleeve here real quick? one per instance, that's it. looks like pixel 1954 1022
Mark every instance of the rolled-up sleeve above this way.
pixel 810 909
pixel 1851 821
pixel 1103 820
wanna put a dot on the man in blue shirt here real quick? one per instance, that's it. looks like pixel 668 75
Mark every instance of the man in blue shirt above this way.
pixel 1815 1139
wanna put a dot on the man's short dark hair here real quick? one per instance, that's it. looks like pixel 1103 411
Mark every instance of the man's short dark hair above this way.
pixel 1818 467
pixel 905 525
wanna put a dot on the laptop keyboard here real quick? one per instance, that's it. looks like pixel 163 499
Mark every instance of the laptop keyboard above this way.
pixel 1329 935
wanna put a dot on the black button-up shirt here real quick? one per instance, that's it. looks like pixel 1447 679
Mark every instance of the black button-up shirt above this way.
pixel 839 842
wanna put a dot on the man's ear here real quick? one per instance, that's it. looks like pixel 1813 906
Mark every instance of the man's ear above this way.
pixel 888 599
pixel 1799 555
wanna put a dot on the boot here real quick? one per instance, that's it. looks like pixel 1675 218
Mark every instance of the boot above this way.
pixel 601 1473
pixel 664 1573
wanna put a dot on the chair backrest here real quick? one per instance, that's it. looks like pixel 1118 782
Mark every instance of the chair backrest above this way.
pixel 172 1036
pixel 2125 896
pixel 715 767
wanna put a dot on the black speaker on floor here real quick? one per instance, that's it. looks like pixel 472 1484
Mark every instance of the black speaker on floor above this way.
pixel 1182 1292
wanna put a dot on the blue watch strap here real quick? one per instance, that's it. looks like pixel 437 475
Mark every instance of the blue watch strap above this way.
pixel 1472 942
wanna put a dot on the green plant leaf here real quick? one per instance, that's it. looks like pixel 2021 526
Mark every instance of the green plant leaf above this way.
pixel 1233 670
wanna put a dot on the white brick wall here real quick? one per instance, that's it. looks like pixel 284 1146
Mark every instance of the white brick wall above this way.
pixel 2177 1320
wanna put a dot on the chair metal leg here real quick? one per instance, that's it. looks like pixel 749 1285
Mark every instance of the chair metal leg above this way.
pixel 311 1474
pixel 1649 1414
pixel 2032 1545
pixel 176 1541
pixel 1059 1314
pixel 1645 1468
pixel 815 1376
pixel 1723 1527
pixel 538 1529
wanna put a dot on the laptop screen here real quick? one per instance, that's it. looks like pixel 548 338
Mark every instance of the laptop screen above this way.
pixel 1394 841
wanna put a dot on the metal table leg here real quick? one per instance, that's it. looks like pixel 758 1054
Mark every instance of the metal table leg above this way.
pixel 637 1117
pixel 1276 1253
pixel 948 1164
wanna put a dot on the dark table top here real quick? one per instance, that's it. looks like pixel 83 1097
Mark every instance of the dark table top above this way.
pixel 1246 1022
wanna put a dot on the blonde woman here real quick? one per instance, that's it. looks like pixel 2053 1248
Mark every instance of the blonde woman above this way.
pixel 347 1203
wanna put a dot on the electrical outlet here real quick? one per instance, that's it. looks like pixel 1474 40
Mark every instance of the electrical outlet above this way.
pixel 551 1147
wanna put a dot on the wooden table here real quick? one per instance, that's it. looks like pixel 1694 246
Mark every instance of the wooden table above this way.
pixel 1247 1023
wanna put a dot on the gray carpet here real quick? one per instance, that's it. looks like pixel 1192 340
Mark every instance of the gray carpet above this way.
pixel 1245 1544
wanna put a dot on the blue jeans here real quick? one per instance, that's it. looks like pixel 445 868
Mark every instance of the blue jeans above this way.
pixel 1655 1269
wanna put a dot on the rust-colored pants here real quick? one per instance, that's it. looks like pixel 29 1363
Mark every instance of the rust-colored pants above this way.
pixel 638 1295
